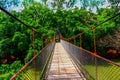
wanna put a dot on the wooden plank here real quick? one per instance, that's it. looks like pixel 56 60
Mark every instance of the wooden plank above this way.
pixel 62 67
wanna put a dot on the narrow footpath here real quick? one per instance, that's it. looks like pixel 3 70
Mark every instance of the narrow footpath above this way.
pixel 62 67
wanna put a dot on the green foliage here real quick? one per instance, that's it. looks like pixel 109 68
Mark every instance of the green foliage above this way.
pixel 7 70
pixel 5 47
pixel 20 41
pixel 38 44
pixel 16 39
pixel 29 55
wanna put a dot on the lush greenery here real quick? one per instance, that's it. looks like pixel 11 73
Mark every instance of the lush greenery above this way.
pixel 7 70
pixel 16 39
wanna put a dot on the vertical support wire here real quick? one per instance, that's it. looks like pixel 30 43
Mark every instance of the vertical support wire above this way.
pixel 33 45
pixel 94 36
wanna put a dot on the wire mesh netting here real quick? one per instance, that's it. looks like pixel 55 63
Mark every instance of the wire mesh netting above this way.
pixel 36 67
pixel 93 67
pixel 17 46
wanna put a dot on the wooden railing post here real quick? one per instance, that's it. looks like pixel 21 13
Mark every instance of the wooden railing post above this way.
pixel 33 45
pixel 94 36
pixel 95 53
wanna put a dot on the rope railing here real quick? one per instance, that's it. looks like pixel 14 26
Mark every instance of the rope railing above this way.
pixel 93 66
pixel 16 18
pixel 31 72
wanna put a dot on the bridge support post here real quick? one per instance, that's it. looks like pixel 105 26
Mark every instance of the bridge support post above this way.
pixel 80 40
pixel 33 44
pixel 94 36
pixel 95 53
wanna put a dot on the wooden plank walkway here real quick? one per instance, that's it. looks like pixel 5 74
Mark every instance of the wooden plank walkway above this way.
pixel 62 67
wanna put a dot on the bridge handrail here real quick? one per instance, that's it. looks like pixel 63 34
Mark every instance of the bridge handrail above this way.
pixel 29 62
pixel 90 63
pixel 95 55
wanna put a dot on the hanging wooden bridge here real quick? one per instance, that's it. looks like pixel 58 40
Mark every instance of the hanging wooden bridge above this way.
pixel 66 61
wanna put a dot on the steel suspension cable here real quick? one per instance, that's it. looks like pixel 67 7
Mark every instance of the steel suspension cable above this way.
pixel 15 18
pixel 8 13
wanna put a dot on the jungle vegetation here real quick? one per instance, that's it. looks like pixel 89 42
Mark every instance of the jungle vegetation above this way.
pixel 16 39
